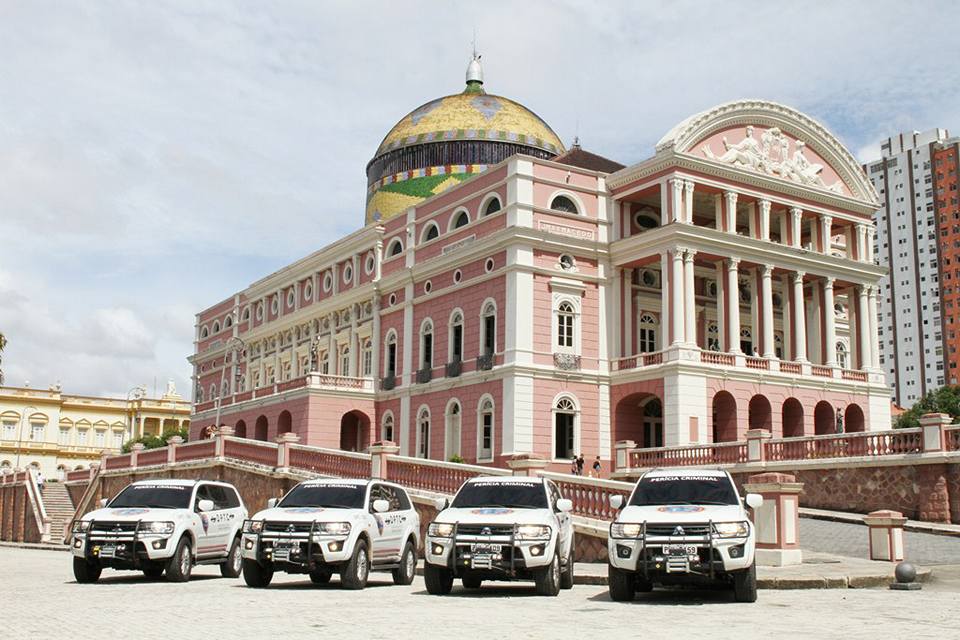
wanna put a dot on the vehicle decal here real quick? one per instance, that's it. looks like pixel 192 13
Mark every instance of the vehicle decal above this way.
pixel 680 508
pixel 491 512
pixel 379 521
pixel 304 509
pixel 205 521
pixel 129 512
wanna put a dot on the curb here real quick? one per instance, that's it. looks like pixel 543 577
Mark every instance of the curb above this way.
pixel 36 546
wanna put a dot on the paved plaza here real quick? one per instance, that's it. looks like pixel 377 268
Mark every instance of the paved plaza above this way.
pixel 40 599
pixel 851 540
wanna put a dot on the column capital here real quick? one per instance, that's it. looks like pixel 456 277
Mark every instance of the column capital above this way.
pixel 796 211
pixel 827 219
pixel 828 282
pixel 688 185
pixel 766 270
pixel 732 262
pixel 688 254
pixel 765 204
pixel 797 277
pixel 676 183
pixel 730 195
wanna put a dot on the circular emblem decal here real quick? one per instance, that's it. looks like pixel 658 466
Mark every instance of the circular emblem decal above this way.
pixel 305 509
pixel 128 512
pixel 681 508
pixel 491 512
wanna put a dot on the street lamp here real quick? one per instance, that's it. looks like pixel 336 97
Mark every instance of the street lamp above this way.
pixel 20 434
pixel 136 393
pixel 234 345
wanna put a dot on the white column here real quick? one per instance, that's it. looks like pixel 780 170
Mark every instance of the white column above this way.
pixel 830 325
pixel 796 215
pixel 626 283
pixel 733 306
pixel 676 306
pixel 870 247
pixel 754 309
pixel 620 323
pixel 766 294
pixel 764 219
pixel 826 232
pixel 753 230
pixel 799 319
pixel 873 334
pixel 730 213
pixel 721 312
pixel 863 328
pixel 787 316
pixel 814 334
pixel 688 201
pixel 689 303
pixel 718 211
pixel 665 320
pixel 676 202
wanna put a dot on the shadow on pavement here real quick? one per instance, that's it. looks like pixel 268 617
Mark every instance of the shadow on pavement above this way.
pixel 140 579
pixel 674 597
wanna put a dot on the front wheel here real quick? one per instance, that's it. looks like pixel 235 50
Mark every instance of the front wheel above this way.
pixel 408 566
pixel 620 583
pixel 566 575
pixel 256 575
pixel 180 564
pixel 548 578
pixel 354 575
pixel 86 572
pixel 321 576
pixel 471 581
pixel 232 566
pixel 153 570
pixel 439 580
pixel 745 585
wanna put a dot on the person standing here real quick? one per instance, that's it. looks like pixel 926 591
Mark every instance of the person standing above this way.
pixel 597 467
pixel 573 465
pixel 40 481
pixel 580 465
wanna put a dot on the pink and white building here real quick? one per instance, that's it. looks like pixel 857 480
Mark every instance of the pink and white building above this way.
pixel 557 306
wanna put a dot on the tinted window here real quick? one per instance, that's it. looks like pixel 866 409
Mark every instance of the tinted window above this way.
pixel 684 490
pixel 517 495
pixel 203 493
pixel 233 499
pixel 220 496
pixel 154 496
pixel 395 496
pixel 332 496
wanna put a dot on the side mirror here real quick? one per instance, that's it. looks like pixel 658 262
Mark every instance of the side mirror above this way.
pixel 271 503
pixel 205 505
pixel 102 502
pixel 565 505
pixel 754 500
pixel 441 503
pixel 616 501
pixel 381 505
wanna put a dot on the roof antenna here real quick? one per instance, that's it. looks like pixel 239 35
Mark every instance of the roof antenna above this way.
pixel 576 134
pixel 474 70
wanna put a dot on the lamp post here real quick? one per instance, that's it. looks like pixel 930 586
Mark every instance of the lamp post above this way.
pixel 234 345
pixel 20 434
pixel 136 393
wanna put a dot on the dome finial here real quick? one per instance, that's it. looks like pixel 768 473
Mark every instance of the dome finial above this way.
pixel 474 71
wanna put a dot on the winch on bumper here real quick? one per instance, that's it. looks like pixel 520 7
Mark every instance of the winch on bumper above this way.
pixel 296 547
pixel 492 550
pixel 701 549
pixel 122 544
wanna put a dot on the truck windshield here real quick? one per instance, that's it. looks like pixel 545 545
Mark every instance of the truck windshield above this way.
pixel 329 496
pixel 683 490
pixel 510 495
pixel 154 496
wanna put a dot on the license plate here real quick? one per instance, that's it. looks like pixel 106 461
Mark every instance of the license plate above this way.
pixel 486 548
pixel 108 551
pixel 680 550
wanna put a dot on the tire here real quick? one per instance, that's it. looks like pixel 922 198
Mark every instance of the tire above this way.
pixel 620 584
pixel 643 586
pixel 566 576
pixel 233 565
pixel 548 578
pixel 408 566
pixel 439 580
pixel 153 571
pixel 256 575
pixel 86 572
pixel 180 564
pixel 355 573
pixel 321 576
pixel 745 585
pixel 471 581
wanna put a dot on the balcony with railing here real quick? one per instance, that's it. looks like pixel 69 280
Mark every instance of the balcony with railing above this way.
pixel 313 381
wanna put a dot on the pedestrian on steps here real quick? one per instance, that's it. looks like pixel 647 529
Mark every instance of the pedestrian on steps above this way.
pixel 40 481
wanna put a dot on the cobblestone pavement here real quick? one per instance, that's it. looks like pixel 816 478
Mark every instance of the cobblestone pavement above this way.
pixel 851 540
pixel 39 599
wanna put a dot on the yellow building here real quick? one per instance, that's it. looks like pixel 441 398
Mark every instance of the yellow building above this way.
pixel 57 432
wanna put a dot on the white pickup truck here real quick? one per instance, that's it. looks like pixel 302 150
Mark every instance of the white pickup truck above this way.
pixel 501 528
pixel 684 526
pixel 323 526
pixel 161 525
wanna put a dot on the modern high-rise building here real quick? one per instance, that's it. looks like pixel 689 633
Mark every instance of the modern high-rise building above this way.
pixel 911 317
pixel 946 160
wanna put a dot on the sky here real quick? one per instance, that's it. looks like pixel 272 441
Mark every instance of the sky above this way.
pixel 156 157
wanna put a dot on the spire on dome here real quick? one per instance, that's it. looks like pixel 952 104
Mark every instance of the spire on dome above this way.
pixel 474 72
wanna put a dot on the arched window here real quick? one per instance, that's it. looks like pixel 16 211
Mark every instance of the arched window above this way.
pixel 345 360
pixel 746 341
pixel 199 395
pixel 566 322
pixel 455 347
pixel 228 322
pixel 396 248
pixel 325 362
pixel 213 391
pixel 492 206
pixel 426 345
pixel 386 428
pixel 713 337
pixel 485 430
pixel 204 332
pixel 461 219
pixel 647 335
pixel 366 351
pixel 488 329
pixel 565 204
pixel 778 345
pixel 246 314
pixel 432 232
pixel 652 423
pixel 451 438
pixel 216 326
pixel 225 388
pixel 423 433
pixel 842 359
pixel 564 429
pixel 390 355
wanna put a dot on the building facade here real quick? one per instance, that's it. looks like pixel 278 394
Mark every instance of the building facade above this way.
pixel 558 306
pixel 946 162
pixel 909 239
pixel 58 432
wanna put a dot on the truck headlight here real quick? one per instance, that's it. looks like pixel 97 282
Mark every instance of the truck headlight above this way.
pixel 533 531
pixel 625 530
pixel 333 528
pixel 81 526
pixel 732 529
pixel 440 530
pixel 253 526
pixel 157 527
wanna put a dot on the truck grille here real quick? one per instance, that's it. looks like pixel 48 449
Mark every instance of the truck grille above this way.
pixel 106 526
pixel 670 530
pixel 485 529
pixel 287 527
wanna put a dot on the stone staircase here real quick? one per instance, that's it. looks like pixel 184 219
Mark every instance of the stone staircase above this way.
pixel 59 508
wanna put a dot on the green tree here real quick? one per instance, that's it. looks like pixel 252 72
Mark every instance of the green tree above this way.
pixel 943 400
pixel 155 442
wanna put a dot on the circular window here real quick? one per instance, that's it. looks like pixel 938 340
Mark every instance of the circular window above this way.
pixel 290 298
pixel 567 263
pixel 369 263
pixel 563 203
pixel 327 282
pixel 308 291
pixel 712 288
pixel 427 286
pixel 347 274
pixel 488 265
pixel 648 278
pixel 275 304
pixel 393 299
pixel 457 276
pixel 777 300
pixel 260 311
pixel 645 221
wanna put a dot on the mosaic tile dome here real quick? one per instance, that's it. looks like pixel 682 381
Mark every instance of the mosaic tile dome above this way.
pixel 447 140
